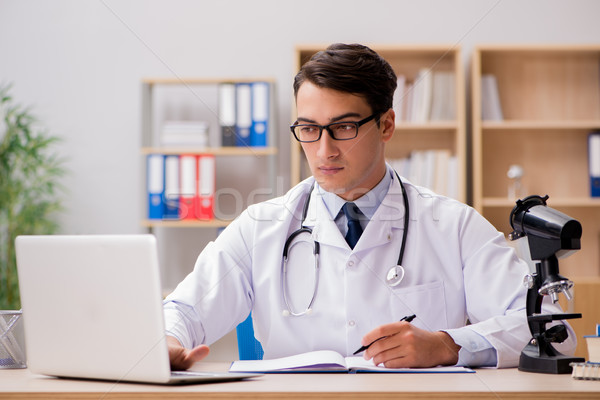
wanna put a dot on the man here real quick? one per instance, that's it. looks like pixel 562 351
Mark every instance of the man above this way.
pixel 458 276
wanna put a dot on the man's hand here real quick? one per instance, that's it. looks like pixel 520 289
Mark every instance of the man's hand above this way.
pixel 182 358
pixel 406 346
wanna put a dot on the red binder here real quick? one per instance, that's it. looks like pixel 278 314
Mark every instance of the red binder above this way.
pixel 188 186
pixel 206 187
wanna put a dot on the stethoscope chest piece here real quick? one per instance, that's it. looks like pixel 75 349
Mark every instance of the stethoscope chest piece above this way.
pixel 395 276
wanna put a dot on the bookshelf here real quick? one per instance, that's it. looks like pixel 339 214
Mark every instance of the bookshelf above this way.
pixel 197 99
pixel 550 101
pixel 409 61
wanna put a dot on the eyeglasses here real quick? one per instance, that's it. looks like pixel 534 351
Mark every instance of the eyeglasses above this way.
pixel 344 130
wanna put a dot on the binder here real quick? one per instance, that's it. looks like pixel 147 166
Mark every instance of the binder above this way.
pixel 594 163
pixel 243 117
pixel 155 185
pixel 227 113
pixel 206 187
pixel 399 99
pixel 171 197
pixel 422 95
pixel 260 114
pixel 188 187
pixel 491 108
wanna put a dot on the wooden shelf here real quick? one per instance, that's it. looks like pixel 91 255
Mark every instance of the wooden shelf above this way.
pixel 165 99
pixel 202 81
pixel 550 100
pixel 217 151
pixel 536 125
pixel 148 223
pixel 441 125
pixel 553 201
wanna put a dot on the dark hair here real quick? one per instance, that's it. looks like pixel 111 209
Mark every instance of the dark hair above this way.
pixel 351 68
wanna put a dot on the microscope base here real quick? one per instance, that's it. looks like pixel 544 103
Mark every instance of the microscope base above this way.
pixel 532 361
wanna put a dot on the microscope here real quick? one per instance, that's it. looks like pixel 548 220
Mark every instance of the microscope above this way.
pixel 550 235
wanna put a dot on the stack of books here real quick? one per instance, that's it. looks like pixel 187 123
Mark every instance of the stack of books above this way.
pixel 430 97
pixel 184 133
pixel 433 169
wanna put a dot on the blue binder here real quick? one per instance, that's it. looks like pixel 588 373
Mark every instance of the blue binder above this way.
pixel 243 120
pixel 155 185
pixel 260 114
pixel 227 113
pixel 171 196
pixel 594 163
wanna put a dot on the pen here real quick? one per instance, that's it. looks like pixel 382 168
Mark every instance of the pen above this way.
pixel 363 348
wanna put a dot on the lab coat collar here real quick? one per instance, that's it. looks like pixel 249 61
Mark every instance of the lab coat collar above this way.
pixel 388 217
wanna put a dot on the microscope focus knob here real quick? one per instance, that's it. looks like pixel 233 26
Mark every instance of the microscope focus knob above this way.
pixel 528 281
pixel 556 334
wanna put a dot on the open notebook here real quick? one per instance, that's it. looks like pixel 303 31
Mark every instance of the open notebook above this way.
pixel 92 308
pixel 328 361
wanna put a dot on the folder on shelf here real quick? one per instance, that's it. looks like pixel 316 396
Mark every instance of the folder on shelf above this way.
pixel 422 95
pixel 399 98
pixel 188 186
pixel 243 95
pixel 594 163
pixel 206 187
pixel 171 197
pixel 260 114
pixel 444 97
pixel 227 113
pixel 441 173
pixel 155 185
pixel 491 108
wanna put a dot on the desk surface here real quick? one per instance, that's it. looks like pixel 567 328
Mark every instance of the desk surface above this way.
pixel 484 384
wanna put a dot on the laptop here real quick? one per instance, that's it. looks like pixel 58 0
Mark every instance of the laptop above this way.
pixel 92 308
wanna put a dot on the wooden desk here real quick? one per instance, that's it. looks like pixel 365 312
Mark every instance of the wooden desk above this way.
pixel 484 384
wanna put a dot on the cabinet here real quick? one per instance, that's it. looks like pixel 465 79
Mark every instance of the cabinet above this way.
pixel 243 175
pixel 446 134
pixel 550 100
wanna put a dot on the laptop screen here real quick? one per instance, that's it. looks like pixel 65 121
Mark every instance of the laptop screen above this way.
pixel 92 306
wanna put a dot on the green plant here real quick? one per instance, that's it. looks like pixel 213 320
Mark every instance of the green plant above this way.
pixel 29 183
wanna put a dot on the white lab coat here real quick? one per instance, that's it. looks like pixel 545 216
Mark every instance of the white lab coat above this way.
pixel 458 268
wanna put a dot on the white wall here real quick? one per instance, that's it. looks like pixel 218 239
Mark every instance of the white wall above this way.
pixel 79 64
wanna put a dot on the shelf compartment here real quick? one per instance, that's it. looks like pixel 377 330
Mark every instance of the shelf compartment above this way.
pixel 490 202
pixel 583 263
pixel 419 138
pixel 217 151
pixel 537 126
pixel 216 223
pixel 546 83
pixel 555 161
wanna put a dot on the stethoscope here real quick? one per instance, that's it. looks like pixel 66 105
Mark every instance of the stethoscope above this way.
pixel 393 277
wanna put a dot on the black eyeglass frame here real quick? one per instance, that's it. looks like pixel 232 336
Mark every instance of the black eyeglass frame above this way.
pixel 358 124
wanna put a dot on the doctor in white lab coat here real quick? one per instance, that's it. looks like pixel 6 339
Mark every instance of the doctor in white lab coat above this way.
pixel 459 277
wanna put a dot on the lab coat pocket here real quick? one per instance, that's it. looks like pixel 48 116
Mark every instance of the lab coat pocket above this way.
pixel 427 302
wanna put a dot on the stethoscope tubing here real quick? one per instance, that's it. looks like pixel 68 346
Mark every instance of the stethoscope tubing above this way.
pixel 316 250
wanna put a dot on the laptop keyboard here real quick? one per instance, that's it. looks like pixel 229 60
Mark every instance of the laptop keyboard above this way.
pixel 191 373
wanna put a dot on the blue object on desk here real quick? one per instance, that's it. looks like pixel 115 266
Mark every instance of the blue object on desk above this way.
pixel 248 347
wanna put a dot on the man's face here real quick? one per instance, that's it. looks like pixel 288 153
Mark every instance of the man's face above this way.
pixel 348 168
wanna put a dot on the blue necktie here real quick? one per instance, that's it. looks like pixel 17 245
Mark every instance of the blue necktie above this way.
pixel 352 212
